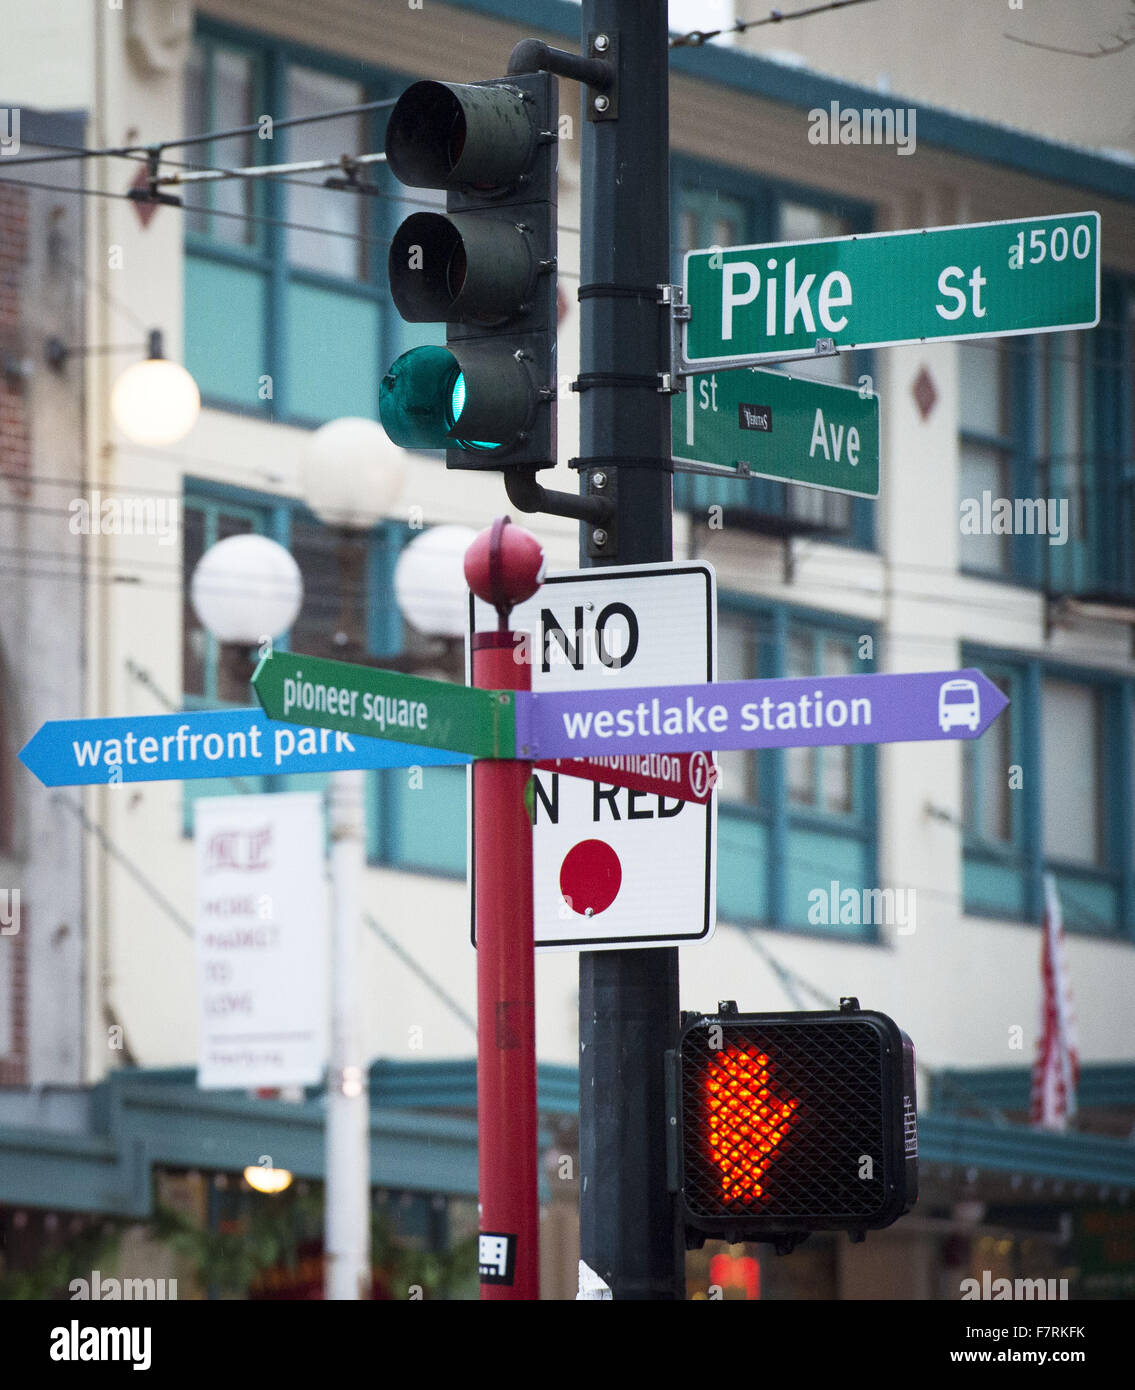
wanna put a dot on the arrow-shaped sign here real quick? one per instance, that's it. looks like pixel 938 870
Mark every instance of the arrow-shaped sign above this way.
pixel 812 711
pixel 373 703
pixel 687 776
pixel 204 743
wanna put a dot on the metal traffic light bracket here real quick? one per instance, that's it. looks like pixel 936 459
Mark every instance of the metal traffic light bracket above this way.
pixel 598 73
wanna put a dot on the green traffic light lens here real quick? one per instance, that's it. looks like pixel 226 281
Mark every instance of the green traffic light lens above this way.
pixel 457 400
pixel 456 406
pixel 421 400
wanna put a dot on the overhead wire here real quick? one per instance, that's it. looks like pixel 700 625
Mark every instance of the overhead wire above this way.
pixel 697 37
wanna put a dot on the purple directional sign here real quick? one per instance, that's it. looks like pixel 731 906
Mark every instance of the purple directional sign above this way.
pixel 797 713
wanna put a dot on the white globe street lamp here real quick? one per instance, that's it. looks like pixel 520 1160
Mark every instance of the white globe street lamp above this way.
pixel 155 402
pixel 351 473
pixel 429 581
pixel 246 588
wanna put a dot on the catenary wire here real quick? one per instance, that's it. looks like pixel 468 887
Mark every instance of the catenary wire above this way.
pixel 697 37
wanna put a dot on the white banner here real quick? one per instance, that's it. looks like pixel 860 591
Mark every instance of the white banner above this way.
pixel 261 915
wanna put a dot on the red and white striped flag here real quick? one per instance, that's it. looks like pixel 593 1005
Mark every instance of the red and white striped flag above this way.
pixel 1056 1070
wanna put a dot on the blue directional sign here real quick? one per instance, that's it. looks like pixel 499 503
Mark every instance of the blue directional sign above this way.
pixel 206 743
pixel 811 711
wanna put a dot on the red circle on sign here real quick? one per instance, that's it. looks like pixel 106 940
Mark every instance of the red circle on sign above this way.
pixel 590 877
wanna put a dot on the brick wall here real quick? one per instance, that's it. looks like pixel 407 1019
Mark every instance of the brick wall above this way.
pixel 15 437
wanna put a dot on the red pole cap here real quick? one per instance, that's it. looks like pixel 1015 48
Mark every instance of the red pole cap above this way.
pixel 504 566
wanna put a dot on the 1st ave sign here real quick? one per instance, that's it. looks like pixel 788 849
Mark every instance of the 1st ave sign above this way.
pixel 1033 275
pixel 767 425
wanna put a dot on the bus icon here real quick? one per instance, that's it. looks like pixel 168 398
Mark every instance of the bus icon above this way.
pixel 959 702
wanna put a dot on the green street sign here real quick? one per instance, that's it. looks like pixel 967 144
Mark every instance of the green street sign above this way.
pixel 385 704
pixel 1033 275
pixel 766 425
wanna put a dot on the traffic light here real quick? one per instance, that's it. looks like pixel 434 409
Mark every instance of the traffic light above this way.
pixel 792 1123
pixel 486 268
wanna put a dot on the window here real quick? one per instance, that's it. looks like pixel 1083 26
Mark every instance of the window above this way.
pixel 985 413
pixel 286 297
pixel 415 816
pixel 1070 758
pixel 1048 418
pixel 221 90
pixel 723 207
pixel 988 762
pixel 311 92
pixel 795 820
pixel 1036 785
pixel 209 675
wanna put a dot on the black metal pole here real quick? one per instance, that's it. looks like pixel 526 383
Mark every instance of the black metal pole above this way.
pixel 628 1000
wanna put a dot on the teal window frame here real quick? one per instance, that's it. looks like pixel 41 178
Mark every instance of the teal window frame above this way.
pixel 274 516
pixel 1099 556
pixel 267 258
pixel 1023 863
pixel 395 838
pixel 771 817
pixel 702 185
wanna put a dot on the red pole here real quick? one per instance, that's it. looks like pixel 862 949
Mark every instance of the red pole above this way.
pixel 506 991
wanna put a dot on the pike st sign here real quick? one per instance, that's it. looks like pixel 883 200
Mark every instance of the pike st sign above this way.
pixel 759 303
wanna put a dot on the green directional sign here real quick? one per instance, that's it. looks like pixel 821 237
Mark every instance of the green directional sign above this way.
pixel 766 425
pixel 1033 275
pixel 384 704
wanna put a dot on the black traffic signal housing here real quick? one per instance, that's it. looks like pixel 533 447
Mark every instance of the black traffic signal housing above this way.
pixel 486 268
pixel 792 1123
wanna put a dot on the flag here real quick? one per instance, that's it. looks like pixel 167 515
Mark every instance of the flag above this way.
pixel 1056 1070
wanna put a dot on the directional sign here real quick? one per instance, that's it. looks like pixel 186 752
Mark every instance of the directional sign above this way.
pixel 621 861
pixel 384 704
pixel 687 776
pixel 202 744
pixel 1033 275
pixel 763 424
pixel 796 713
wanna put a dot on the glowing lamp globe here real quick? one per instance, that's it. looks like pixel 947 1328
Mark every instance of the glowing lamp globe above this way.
pixel 351 473
pixel 267 1180
pixel 246 588
pixel 504 565
pixel 155 402
pixel 429 582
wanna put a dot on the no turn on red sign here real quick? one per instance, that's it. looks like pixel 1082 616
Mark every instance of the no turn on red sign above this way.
pixel 618 866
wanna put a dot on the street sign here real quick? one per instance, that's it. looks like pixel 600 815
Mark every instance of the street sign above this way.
pixel 638 866
pixel 688 776
pixel 801 712
pixel 1032 275
pixel 766 425
pixel 204 744
pixel 385 704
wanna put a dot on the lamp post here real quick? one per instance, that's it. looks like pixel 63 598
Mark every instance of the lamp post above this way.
pixel 351 475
